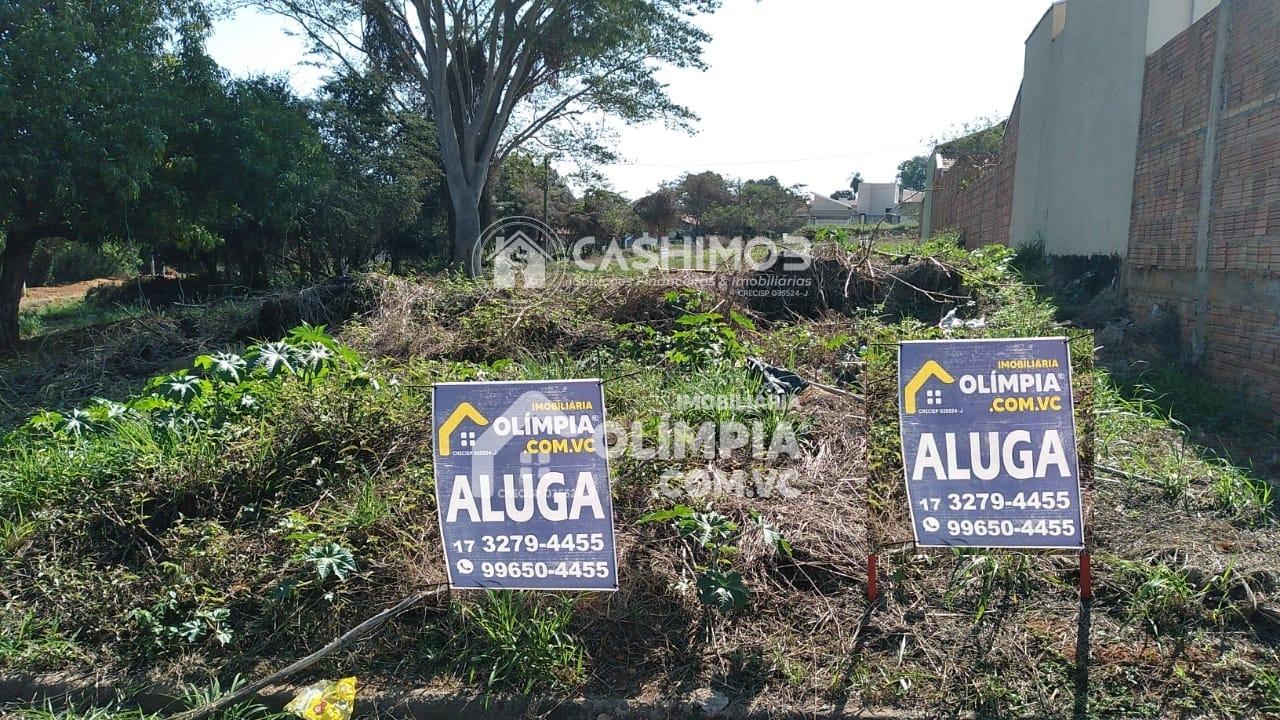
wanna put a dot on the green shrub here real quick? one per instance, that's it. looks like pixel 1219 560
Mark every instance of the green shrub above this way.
pixel 30 325
pixel 178 415
pixel 845 233
pixel 1167 600
pixel 67 261
pixel 713 540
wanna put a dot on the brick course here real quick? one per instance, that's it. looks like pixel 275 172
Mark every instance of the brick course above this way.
pixel 1242 313
pixel 975 196
pixel 1241 310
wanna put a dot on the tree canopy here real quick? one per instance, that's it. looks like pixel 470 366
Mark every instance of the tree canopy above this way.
pixel 912 173
pixel 496 74
pixel 603 214
pixel 82 114
pixel 117 128
pixel 978 139
pixel 658 211
pixel 700 193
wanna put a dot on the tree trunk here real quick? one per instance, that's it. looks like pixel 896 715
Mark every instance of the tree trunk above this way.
pixel 486 198
pixel 20 242
pixel 466 228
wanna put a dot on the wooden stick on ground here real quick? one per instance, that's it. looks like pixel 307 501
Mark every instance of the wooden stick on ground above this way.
pixel 349 637
pixel 836 390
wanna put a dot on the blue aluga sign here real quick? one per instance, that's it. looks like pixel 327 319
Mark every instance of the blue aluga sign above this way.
pixel 522 485
pixel 989 443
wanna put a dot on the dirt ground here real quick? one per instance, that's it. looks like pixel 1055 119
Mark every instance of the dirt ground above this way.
pixel 37 296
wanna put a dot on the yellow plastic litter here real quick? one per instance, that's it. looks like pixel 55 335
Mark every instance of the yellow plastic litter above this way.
pixel 325 700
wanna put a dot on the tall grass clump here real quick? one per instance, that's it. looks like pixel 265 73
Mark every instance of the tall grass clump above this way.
pixel 516 641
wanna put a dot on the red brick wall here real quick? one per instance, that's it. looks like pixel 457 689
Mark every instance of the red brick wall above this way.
pixel 1244 229
pixel 1166 186
pixel 1241 324
pixel 975 196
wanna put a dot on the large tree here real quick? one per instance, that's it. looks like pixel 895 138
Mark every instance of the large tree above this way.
pixel 604 215
pixel 772 208
pixel 82 107
pixel 496 74
pixel 756 207
pixel 699 193
pixel 521 185
pixel 243 171
pixel 384 199
pixel 911 173
pixel 658 211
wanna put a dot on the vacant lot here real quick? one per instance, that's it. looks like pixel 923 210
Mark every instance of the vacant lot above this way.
pixel 251 503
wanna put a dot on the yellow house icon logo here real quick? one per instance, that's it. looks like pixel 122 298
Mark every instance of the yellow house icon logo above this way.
pixel 929 371
pixel 464 411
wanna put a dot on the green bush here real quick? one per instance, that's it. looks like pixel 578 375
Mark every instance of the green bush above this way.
pixel 66 261
pixel 55 454
pixel 841 233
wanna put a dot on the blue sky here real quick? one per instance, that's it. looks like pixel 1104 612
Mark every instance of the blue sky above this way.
pixel 808 90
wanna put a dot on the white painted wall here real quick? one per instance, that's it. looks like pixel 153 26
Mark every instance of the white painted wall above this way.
pixel 1078 128
pixel 1167 18
pixel 873 198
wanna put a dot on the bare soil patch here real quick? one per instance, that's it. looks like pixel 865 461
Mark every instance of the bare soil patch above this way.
pixel 37 296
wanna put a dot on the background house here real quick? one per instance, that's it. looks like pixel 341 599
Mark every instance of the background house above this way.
pixel 876 202
pixel 822 210
pixel 909 204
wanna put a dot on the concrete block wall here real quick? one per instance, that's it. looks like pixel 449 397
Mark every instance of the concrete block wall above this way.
pixel 1081 97
pixel 1203 221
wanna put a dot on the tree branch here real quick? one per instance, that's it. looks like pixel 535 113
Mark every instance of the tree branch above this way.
pixel 351 636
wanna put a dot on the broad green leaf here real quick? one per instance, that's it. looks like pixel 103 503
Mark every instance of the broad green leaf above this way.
pixel 332 560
